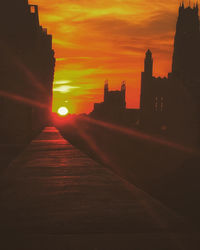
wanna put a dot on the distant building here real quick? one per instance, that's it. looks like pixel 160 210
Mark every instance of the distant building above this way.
pixel 26 70
pixel 171 105
pixel 113 108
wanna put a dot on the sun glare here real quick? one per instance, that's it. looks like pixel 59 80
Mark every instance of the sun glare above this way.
pixel 63 111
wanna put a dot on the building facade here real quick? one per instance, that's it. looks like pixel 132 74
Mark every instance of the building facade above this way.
pixel 26 70
pixel 113 106
pixel 171 105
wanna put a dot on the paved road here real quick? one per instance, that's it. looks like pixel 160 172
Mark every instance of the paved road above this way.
pixel 54 189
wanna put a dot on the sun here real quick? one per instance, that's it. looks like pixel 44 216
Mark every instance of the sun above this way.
pixel 63 111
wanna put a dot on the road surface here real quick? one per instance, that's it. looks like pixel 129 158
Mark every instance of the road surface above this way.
pixel 55 192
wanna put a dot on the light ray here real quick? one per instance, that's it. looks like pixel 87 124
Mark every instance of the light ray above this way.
pixel 144 136
pixel 22 99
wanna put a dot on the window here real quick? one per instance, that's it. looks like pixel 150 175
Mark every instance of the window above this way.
pixel 32 9
pixel 161 104
pixel 156 104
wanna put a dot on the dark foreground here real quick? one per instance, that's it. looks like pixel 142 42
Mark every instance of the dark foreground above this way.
pixel 55 197
pixel 168 172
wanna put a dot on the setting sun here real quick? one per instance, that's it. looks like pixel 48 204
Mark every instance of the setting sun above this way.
pixel 63 111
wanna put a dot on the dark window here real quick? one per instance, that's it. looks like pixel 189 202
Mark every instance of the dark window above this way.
pixel 161 104
pixel 156 104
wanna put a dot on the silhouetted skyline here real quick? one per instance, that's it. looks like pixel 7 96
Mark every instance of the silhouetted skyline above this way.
pixel 94 42
pixel 169 106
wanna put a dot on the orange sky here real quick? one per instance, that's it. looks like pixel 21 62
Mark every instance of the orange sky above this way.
pixel 96 40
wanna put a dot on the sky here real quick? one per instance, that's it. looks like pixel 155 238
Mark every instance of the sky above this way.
pixel 98 40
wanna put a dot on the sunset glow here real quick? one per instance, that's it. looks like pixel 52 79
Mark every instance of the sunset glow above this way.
pixel 99 40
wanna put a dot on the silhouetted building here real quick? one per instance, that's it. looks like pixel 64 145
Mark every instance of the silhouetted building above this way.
pixel 171 105
pixel 186 57
pixel 114 106
pixel 26 70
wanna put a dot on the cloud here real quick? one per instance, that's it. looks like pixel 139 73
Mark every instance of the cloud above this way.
pixel 61 82
pixel 65 89
pixel 99 39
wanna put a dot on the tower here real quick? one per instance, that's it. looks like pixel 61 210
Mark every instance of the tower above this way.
pixel 106 91
pixel 148 64
pixel 123 92
pixel 146 78
pixel 186 56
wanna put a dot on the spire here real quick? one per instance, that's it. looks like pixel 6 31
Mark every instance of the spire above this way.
pixel 148 63
pixel 149 53
pixel 123 92
pixel 123 86
pixel 106 84
pixel 196 8
pixel 105 90
pixel 197 5
pixel 181 7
